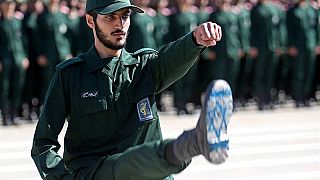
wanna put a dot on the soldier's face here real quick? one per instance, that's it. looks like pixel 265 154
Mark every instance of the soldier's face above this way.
pixel 112 29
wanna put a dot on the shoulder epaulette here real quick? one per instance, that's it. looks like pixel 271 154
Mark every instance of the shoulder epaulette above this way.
pixel 68 63
pixel 144 51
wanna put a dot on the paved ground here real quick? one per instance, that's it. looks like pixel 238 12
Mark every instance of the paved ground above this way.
pixel 281 145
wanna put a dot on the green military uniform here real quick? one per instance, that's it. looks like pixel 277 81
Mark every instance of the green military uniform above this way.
pixel 161 29
pixel 265 37
pixel 113 126
pixel 141 32
pixel 246 64
pixel 73 24
pixel 55 45
pixel 32 76
pixel 302 34
pixel 282 68
pixel 202 80
pixel 180 24
pixel 12 54
pixel 226 65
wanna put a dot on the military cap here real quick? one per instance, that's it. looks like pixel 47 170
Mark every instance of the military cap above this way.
pixel 110 6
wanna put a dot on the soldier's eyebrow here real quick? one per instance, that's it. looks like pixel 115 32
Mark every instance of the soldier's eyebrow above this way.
pixel 126 12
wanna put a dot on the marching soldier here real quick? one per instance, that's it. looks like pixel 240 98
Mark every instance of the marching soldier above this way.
pixel 225 62
pixel 14 62
pixel 141 33
pixel 302 41
pixel 55 45
pixel 265 44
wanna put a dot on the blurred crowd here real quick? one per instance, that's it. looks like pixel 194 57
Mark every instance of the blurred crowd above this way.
pixel 269 52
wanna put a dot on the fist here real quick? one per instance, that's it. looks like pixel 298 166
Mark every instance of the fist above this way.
pixel 207 34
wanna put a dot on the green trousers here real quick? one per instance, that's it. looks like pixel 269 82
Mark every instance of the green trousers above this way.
pixel 143 162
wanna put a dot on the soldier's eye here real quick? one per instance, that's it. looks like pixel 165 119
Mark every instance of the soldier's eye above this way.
pixel 109 17
pixel 125 16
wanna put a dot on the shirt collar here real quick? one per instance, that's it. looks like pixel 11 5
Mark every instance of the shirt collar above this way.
pixel 94 61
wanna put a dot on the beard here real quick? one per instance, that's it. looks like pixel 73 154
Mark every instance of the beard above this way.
pixel 103 38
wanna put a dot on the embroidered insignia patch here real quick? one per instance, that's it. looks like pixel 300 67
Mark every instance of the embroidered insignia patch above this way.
pixel 89 94
pixel 144 110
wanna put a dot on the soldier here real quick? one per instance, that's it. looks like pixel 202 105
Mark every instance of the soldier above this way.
pixel 108 94
pixel 246 64
pixel 141 32
pixel 226 55
pixel 14 62
pixel 35 7
pixel 302 41
pixel 161 33
pixel 161 22
pixel 265 44
pixel 55 45
pixel 74 20
pixel 204 9
pixel 183 20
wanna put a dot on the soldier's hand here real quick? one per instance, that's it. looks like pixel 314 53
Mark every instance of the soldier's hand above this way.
pixel 42 61
pixel 207 34
pixel 25 63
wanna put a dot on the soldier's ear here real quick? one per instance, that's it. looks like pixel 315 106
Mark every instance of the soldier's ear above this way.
pixel 90 21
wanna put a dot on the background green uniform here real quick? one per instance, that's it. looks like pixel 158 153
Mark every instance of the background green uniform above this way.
pixel 226 65
pixel 301 25
pixel 180 24
pixel 246 64
pixel 110 105
pixel 55 45
pixel 264 36
pixel 141 32
pixel 12 54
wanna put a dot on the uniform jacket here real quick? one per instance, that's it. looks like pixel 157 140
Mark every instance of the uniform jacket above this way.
pixel 108 110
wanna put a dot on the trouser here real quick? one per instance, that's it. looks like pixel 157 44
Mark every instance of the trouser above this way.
pixel 264 76
pixel 142 162
pixel 303 69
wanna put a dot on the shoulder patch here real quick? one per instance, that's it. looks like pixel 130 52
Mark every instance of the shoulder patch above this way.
pixel 68 63
pixel 144 51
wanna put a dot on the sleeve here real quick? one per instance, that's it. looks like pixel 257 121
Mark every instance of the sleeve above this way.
pixel 174 60
pixel 45 142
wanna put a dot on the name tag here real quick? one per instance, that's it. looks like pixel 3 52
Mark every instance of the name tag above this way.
pixel 144 110
pixel 89 94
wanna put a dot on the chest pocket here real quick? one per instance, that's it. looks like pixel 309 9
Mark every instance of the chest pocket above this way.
pixel 91 105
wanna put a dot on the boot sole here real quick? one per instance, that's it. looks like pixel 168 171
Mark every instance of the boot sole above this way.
pixel 219 106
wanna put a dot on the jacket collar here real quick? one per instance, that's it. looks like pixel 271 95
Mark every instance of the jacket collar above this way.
pixel 94 62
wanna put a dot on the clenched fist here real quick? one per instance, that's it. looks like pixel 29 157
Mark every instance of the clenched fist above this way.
pixel 207 34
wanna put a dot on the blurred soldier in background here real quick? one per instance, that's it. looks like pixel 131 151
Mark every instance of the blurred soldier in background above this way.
pixel 161 33
pixel 55 45
pixel 30 26
pixel 74 20
pixel 182 21
pixel 225 62
pixel 203 13
pixel 141 33
pixel 246 64
pixel 14 62
pixel 302 41
pixel 281 85
pixel 265 44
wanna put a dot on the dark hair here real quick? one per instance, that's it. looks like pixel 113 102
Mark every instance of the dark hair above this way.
pixel 94 14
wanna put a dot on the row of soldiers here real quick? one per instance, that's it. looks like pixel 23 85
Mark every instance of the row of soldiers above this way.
pixel 267 46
